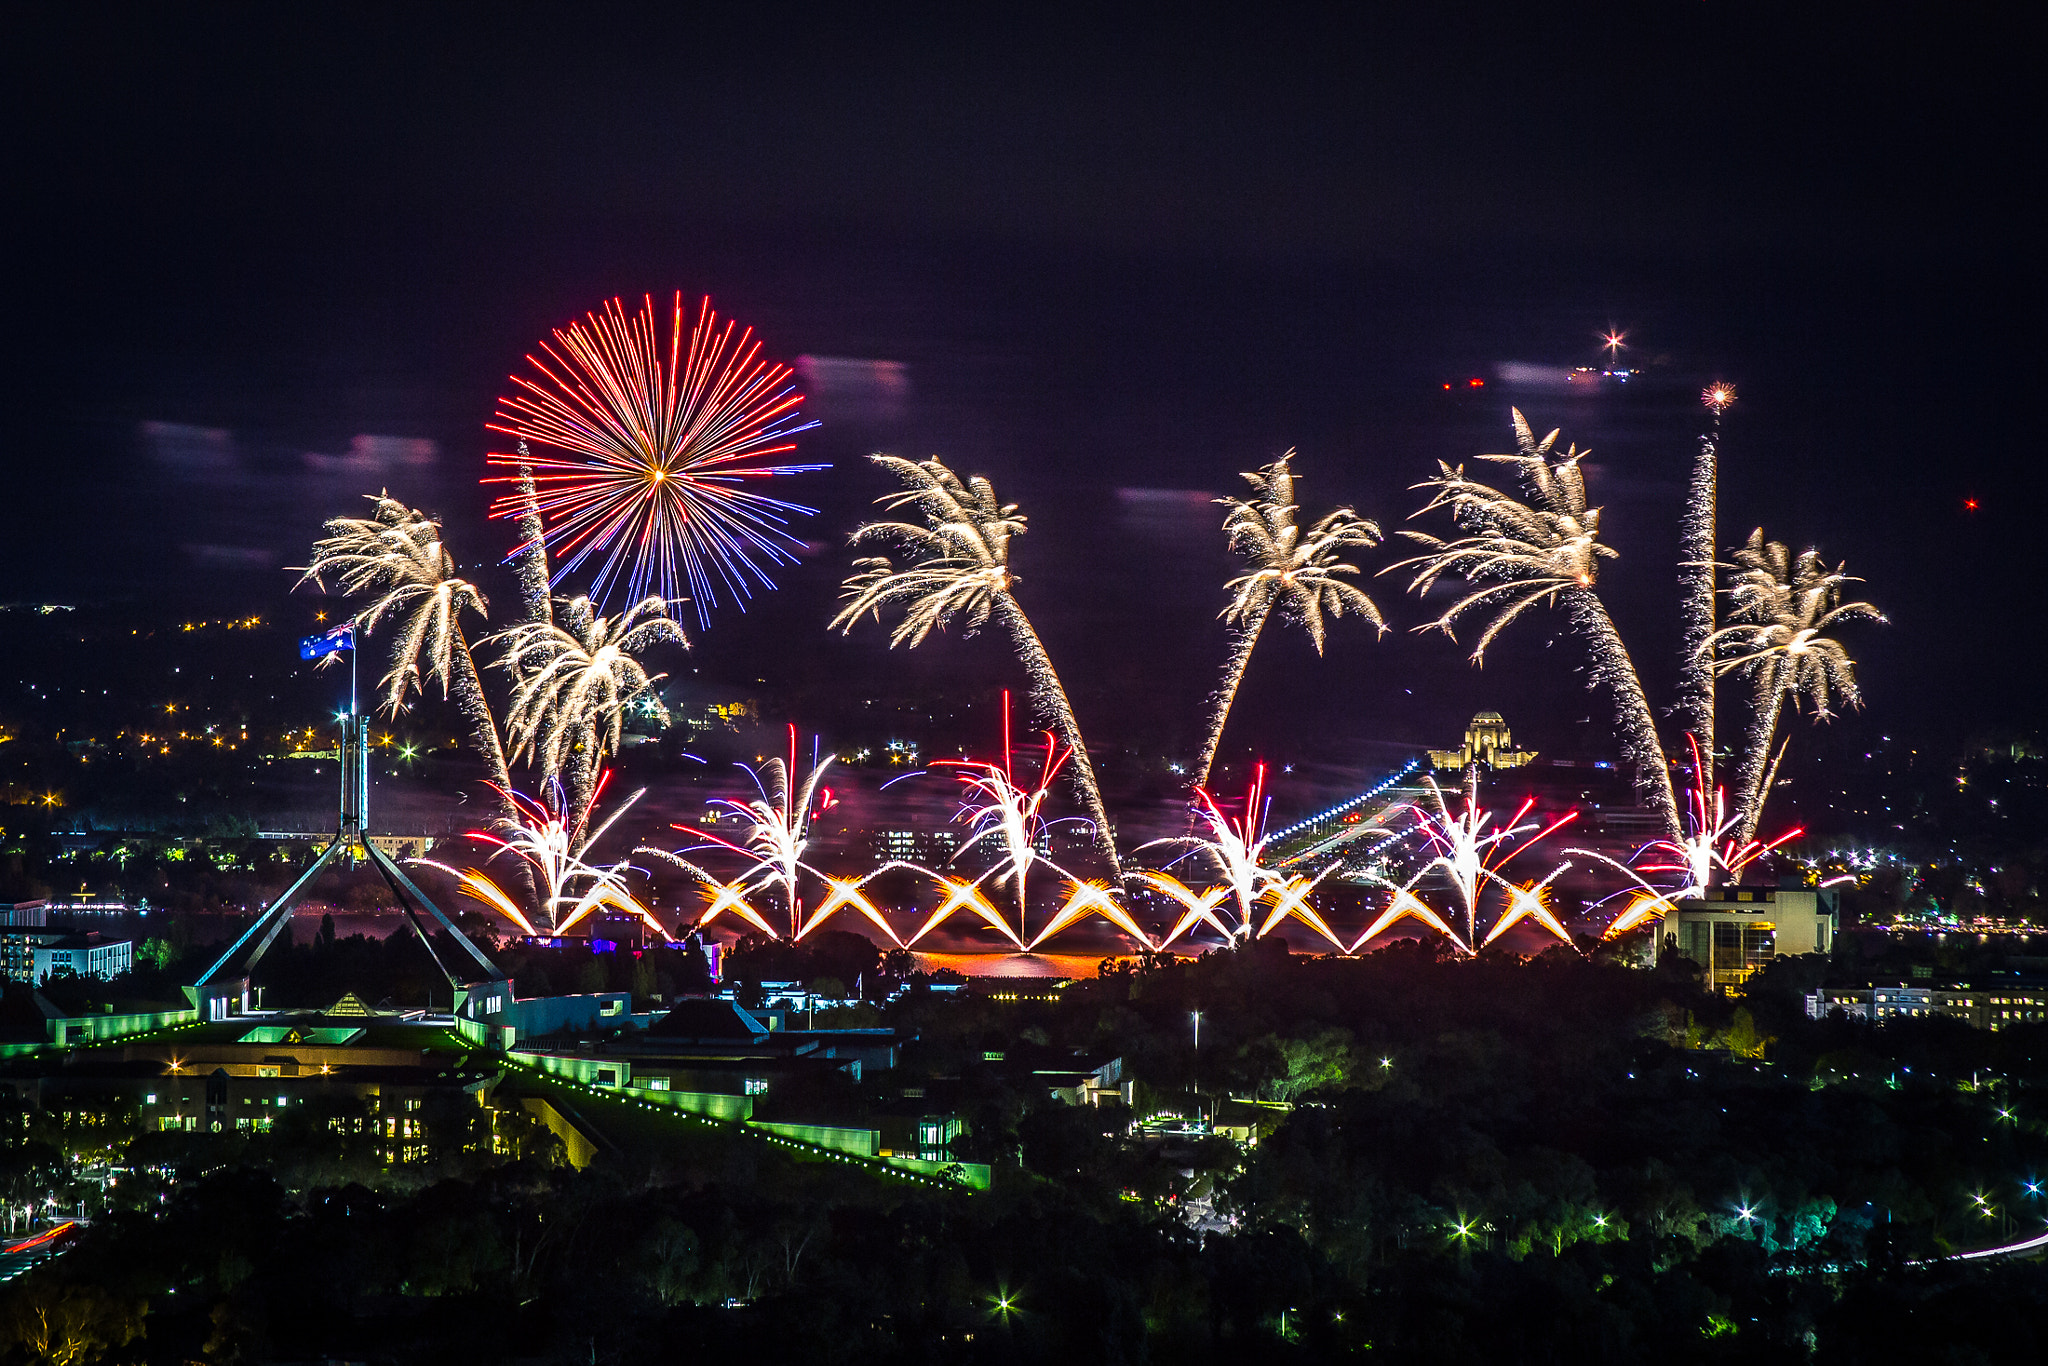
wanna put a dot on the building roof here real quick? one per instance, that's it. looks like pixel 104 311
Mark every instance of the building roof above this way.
pixel 704 1019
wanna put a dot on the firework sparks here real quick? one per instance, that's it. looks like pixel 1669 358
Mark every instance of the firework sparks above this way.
pixel 720 897
pixel 1783 606
pixel 1403 905
pixel 1195 906
pixel 778 825
pixel 1642 908
pixel 1007 817
pixel 547 838
pixel 1090 898
pixel 1467 853
pixel 1235 848
pixel 1712 844
pixel 1530 901
pixel 573 677
pixel 657 447
pixel 960 570
pixel 1544 551
pixel 1289 899
pixel 841 892
pixel 1696 566
pixel 962 895
pixel 1301 575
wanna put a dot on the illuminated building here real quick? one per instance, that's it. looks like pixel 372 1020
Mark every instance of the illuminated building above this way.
pixel 1733 931
pixel 1986 1006
pixel 1486 742
pixel 83 955
pixel 931 848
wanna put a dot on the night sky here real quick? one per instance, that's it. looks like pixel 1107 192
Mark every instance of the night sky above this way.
pixel 265 260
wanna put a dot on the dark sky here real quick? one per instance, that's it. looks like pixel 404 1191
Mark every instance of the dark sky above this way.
pixel 268 258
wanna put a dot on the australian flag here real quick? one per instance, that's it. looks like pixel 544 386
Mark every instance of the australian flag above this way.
pixel 342 637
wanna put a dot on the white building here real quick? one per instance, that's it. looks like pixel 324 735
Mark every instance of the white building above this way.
pixel 84 955
pixel 1733 931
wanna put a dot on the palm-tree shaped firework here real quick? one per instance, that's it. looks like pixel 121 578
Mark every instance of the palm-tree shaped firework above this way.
pixel 657 447
pixel 960 569
pixel 1302 575
pixel 571 680
pixel 397 554
pixel 1783 606
pixel 1544 551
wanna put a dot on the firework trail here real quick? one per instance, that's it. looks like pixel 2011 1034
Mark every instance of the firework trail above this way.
pixel 963 895
pixel 778 823
pixel 397 554
pixel 1300 575
pixel 1467 853
pixel 1782 606
pixel 1544 551
pixel 1090 898
pixel 1712 843
pixel 1235 848
pixel 960 570
pixel 656 450
pixel 545 837
pixel 530 558
pixel 572 678
pixel 1530 901
pixel 1289 898
pixel 1195 906
pixel 1697 563
pixel 1404 904
pixel 999 813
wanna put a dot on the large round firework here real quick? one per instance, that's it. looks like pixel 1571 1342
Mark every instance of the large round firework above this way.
pixel 646 458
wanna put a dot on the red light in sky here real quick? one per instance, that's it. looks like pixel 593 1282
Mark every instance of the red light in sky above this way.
pixel 1969 504
pixel 1475 384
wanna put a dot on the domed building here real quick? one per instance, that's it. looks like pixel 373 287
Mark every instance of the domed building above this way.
pixel 1486 742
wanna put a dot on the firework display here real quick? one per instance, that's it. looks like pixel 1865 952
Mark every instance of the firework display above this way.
pixel 546 837
pixel 1006 817
pixel 1545 551
pixel 652 446
pixel 1299 574
pixel 1782 605
pixel 1467 853
pixel 572 681
pixel 959 569
pixel 1696 566
pixel 651 455
pixel 396 555
pixel 778 824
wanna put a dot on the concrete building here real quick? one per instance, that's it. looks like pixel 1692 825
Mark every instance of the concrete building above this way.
pixel 18 946
pixel 83 955
pixel 1732 931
